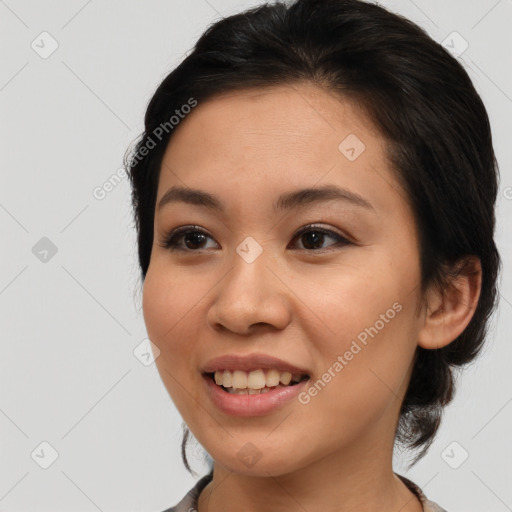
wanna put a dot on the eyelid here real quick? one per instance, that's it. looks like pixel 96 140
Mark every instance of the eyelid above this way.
pixel 324 230
pixel 169 236
pixel 342 238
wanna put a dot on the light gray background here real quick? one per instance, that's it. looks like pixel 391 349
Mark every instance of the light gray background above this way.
pixel 68 374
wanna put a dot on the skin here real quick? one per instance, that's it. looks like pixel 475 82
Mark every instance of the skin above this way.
pixel 303 305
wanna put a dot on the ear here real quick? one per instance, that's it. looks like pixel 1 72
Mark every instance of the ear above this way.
pixel 449 311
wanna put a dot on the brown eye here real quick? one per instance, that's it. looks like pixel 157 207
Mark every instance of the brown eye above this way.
pixel 194 239
pixel 314 237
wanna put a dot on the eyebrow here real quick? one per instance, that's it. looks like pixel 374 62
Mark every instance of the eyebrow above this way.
pixel 285 202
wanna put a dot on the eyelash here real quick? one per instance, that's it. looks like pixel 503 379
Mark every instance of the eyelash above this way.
pixel 169 241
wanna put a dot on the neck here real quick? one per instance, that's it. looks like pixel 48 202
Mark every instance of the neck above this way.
pixel 338 482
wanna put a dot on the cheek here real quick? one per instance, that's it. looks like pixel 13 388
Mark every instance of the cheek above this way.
pixel 167 300
pixel 349 301
pixel 367 354
pixel 155 305
pixel 360 388
pixel 167 309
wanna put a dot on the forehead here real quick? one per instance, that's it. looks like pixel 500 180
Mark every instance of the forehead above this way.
pixel 280 117
pixel 274 139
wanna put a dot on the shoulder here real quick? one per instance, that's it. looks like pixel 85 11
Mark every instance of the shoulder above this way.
pixel 428 506
pixel 189 501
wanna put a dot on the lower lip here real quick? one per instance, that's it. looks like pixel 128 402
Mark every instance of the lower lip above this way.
pixel 251 405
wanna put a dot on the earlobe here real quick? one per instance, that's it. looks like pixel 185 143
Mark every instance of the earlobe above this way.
pixel 450 310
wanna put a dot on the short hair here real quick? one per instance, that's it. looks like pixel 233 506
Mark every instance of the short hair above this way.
pixel 437 134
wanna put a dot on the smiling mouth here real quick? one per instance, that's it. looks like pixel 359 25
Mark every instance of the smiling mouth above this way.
pixel 256 382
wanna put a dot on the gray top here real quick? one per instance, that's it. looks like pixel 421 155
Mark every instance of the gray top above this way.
pixel 189 501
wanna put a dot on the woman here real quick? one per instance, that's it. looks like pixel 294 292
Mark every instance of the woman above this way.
pixel 314 198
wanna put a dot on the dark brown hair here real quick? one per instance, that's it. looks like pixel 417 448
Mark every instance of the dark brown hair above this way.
pixel 424 104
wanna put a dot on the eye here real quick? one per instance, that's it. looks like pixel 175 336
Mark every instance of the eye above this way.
pixel 195 237
pixel 314 235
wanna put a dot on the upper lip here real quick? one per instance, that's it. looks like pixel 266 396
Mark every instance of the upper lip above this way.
pixel 250 362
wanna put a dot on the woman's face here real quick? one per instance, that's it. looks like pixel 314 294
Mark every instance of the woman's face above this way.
pixel 338 301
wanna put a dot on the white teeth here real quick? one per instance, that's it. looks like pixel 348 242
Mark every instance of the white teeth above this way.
pixel 224 378
pixel 239 379
pixel 285 378
pixel 255 380
pixel 272 377
pixel 227 378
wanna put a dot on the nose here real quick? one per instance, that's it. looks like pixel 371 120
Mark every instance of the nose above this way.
pixel 251 296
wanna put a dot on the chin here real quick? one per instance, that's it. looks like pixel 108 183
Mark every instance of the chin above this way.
pixel 256 459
